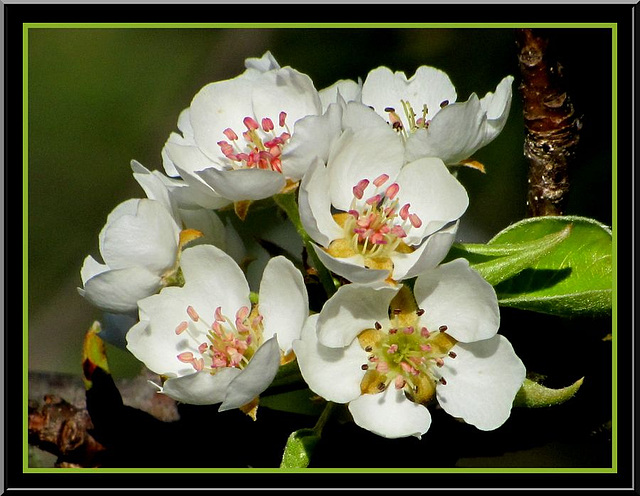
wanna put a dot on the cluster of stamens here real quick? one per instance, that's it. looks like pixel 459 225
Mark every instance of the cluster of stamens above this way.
pixel 226 343
pixel 377 226
pixel 413 121
pixel 263 146
pixel 410 358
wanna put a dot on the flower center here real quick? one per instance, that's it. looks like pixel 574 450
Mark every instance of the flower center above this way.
pixel 229 343
pixel 406 356
pixel 411 122
pixel 374 227
pixel 262 146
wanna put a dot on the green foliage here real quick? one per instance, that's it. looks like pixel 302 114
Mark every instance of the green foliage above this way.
pixel 554 265
pixel 300 445
pixel 535 395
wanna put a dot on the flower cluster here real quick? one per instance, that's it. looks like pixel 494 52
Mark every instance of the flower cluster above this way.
pixel 367 165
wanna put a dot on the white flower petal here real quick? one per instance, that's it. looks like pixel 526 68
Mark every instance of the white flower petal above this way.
pixel 263 64
pixel 127 207
pixel 244 184
pixel 285 90
pixel 201 388
pixel 351 268
pixel 148 239
pixel 390 414
pixel 351 310
pixel 154 340
pixel 283 301
pixel 314 205
pixel 213 279
pixel 454 133
pixel 433 193
pixel 497 106
pixel 426 256
pixel 216 107
pixel 208 223
pixel 155 188
pixel 119 290
pixel 455 295
pixel 383 88
pixel 482 382
pixel 358 116
pixel 333 373
pixel 90 268
pixel 358 155
pixel 348 90
pixel 312 138
pixel 255 378
pixel 197 193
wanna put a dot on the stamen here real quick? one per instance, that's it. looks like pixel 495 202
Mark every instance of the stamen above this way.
pixel 415 220
pixel 378 326
pixel 392 191
pixel 364 366
pixel 380 180
pixel 281 118
pixel 424 332
pixel 444 103
pixel 358 189
pixel 229 133
pixel 267 125
pixel 442 328
pixel 193 315
pixel 185 357
pixel 251 123
pixel 392 349
pixel 182 326
pixel 442 381
pixel 452 354
pixel 408 330
pixel 420 312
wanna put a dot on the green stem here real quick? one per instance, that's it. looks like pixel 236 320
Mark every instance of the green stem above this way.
pixel 324 417
pixel 287 202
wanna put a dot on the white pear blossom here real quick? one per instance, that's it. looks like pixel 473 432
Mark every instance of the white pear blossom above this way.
pixel 374 217
pixel 389 357
pixel 252 136
pixel 423 111
pixel 140 245
pixel 206 338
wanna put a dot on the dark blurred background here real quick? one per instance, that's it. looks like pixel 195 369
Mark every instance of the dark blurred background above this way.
pixel 99 98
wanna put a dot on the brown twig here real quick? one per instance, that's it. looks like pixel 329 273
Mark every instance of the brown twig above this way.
pixel 551 125
pixel 62 429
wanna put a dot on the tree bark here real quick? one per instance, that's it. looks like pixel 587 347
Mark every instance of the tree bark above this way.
pixel 551 125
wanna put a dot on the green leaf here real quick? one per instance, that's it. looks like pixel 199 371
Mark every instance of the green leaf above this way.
pixel 535 395
pixel 300 445
pixel 574 278
pixel 509 259
pixel 298 401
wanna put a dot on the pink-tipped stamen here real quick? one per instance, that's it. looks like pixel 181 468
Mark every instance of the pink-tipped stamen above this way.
pixel 415 220
pixel 380 180
pixel 404 211
pixel 230 133
pixel 358 189
pixel 182 326
pixel 392 191
pixel 251 123
pixel 186 357
pixel 267 125
pixel 193 315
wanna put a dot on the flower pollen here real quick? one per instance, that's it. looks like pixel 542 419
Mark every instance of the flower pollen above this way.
pixel 229 342
pixel 407 359
pixel 375 224
pixel 263 145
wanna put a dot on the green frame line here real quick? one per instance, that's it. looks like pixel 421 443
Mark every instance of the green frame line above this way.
pixel 25 239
